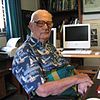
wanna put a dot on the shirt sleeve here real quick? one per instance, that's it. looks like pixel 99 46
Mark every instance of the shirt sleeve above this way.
pixel 27 71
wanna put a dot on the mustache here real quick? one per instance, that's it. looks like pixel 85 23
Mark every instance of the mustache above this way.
pixel 46 31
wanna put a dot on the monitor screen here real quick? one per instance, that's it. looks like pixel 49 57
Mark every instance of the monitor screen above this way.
pixel 76 36
pixel 52 38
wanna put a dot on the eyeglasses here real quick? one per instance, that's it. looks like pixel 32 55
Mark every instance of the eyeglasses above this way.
pixel 41 23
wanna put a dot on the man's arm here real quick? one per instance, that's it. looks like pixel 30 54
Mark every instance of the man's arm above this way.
pixel 26 70
pixel 57 87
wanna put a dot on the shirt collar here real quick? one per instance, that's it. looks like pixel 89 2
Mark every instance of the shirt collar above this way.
pixel 34 42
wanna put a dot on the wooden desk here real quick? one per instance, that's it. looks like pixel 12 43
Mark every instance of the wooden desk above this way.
pixel 82 56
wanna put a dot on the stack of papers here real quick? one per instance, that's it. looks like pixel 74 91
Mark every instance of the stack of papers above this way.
pixel 10 48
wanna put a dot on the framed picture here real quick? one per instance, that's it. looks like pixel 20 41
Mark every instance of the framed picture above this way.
pixel 95 32
pixel 91 6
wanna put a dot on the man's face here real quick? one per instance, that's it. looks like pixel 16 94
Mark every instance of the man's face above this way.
pixel 41 27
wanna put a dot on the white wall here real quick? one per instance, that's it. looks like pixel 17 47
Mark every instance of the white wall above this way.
pixel 31 5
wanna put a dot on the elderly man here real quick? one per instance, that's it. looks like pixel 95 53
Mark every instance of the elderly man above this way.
pixel 37 57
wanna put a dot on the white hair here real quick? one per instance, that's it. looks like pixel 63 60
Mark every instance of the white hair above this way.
pixel 40 11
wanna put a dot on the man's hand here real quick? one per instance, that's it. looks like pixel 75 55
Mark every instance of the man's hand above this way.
pixel 83 78
pixel 82 87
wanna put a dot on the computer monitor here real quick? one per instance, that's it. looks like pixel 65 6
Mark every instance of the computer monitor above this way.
pixel 52 38
pixel 76 36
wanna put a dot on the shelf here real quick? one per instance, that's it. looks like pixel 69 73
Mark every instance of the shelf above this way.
pixel 65 12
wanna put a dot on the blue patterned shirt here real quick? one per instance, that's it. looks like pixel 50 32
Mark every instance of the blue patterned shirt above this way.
pixel 31 59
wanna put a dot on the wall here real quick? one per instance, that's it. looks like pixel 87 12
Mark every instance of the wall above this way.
pixel 2 39
pixel 94 21
pixel 31 5
pixel 28 7
pixel 92 62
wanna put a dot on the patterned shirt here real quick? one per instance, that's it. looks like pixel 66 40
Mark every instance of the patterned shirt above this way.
pixel 32 59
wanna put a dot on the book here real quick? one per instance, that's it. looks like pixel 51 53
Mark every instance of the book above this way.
pixel 10 47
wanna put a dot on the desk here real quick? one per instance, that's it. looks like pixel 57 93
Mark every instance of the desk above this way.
pixel 5 61
pixel 8 83
pixel 82 56
pixel 91 92
pixel 78 61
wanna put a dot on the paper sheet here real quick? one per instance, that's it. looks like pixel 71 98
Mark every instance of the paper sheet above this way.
pixel 12 42
pixel 98 76
pixel 11 48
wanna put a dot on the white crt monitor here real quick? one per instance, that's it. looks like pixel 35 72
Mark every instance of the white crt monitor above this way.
pixel 76 36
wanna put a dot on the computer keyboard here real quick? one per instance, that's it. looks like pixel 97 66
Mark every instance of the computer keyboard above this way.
pixel 76 52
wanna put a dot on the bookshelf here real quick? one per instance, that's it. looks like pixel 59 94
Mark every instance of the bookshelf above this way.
pixel 63 11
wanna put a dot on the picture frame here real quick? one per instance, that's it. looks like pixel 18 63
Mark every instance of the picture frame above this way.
pixel 95 30
pixel 91 6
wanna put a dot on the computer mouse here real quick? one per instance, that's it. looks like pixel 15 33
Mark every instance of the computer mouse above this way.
pixel 97 53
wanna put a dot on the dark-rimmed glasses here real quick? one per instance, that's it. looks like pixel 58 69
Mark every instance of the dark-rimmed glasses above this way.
pixel 41 23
